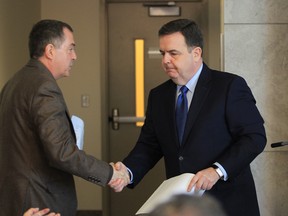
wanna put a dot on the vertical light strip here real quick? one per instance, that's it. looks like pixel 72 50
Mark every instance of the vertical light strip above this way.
pixel 139 79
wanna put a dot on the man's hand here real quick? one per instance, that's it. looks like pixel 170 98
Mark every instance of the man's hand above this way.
pixel 204 179
pixel 120 177
pixel 37 212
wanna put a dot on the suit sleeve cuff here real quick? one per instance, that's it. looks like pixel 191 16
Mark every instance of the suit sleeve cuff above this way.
pixel 110 173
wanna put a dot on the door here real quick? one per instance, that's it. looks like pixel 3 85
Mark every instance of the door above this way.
pixel 127 22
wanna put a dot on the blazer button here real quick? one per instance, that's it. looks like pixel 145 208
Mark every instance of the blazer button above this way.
pixel 181 158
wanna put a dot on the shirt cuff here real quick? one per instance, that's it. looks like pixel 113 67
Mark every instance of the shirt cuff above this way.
pixel 131 175
pixel 225 175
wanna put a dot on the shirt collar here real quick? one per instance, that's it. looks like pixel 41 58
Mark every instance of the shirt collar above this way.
pixel 191 84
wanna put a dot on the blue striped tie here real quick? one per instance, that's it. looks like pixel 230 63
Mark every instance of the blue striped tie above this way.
pixel 181 112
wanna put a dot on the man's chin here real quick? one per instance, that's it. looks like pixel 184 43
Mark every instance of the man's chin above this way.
pixel 172 76
pixel 68 73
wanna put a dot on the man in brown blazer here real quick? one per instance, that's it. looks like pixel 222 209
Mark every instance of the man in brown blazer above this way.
pixel 38 151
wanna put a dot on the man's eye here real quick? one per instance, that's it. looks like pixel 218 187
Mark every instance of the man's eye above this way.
pixel 71 49
pixel 174 53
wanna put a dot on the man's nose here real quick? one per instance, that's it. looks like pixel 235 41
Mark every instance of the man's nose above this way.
pixel 74 56
pixel 166 58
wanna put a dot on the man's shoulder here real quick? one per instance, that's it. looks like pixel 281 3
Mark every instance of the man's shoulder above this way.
pixel 224 76
pixel 165 85
pixel 163 90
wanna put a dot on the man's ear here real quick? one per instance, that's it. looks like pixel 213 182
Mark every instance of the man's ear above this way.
pixel 197 53
pixel 49 51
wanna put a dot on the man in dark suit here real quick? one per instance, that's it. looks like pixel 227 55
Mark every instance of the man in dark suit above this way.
pixel 221 134
pixel 38 151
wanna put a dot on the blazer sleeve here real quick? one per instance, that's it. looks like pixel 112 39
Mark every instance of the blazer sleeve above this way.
pixel 246 127
pixel 56 135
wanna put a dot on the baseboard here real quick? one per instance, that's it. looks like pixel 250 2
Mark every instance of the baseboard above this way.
pixel 89 213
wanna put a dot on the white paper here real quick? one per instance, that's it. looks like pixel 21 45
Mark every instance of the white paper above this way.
pixel 78 125
pixel 169 187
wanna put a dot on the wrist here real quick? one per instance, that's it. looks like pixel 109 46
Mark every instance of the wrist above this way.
pixel 218 171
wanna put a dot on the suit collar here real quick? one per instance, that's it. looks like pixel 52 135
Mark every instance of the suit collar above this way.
pixel 40 66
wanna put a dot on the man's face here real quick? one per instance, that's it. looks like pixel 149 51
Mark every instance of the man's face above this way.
pixel 179 61
pixel 65 55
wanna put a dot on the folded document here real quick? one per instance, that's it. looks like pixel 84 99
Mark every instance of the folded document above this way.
pixel 78 125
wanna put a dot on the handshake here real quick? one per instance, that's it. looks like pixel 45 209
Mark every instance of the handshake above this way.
pixel 120 178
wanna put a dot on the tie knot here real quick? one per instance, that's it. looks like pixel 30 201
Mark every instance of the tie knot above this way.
pixel 184 90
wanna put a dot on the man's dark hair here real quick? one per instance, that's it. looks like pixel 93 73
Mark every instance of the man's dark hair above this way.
pixel 46 32
pixel 188 28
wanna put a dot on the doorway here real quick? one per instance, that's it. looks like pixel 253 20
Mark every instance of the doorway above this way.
pixel 127 22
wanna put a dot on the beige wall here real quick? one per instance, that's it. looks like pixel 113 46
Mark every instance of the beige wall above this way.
pixel 16 20
pixel 256 47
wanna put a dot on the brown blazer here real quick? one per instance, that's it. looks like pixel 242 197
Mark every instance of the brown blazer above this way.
pixel 38 154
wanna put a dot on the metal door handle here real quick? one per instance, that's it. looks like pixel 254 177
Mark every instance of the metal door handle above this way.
pixel 116 119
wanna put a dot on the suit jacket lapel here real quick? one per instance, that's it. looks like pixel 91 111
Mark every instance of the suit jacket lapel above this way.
pixel 171 110
pixel 201 91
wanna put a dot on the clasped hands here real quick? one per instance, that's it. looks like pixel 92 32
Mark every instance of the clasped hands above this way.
pixel 120 178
